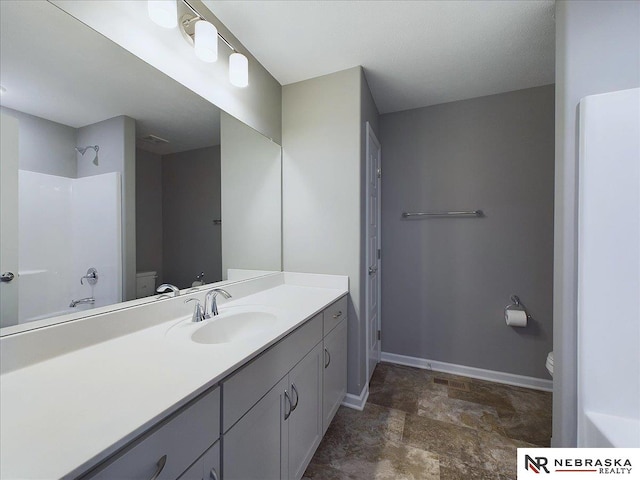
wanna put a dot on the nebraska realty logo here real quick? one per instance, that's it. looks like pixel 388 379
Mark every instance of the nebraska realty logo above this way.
pixel 582 463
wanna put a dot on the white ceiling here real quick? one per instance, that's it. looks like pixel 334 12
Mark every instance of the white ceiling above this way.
pixel 55 67
pixel 415 53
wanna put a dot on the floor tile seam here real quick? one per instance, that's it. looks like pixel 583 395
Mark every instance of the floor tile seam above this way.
pixel 444 421
pixel 388 407
pixel 472 466
pixel 493 407
pixel 458 424
pixel 531 444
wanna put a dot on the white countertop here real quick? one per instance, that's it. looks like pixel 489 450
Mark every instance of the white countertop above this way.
pixel 63 415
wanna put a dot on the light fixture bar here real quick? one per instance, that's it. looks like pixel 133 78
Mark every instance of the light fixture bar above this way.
pixel 197 14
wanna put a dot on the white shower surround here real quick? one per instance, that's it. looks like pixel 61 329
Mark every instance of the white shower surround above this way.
pixel 609 271
pixel 67 225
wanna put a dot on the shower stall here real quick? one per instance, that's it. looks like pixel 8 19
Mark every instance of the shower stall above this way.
pixel 68 226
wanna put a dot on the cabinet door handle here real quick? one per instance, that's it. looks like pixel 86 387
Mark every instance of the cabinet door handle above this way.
pixel 213 475
pixel 327 354
pixel 288 399
pixel 159 467
pixel 293 387
pixel 339 314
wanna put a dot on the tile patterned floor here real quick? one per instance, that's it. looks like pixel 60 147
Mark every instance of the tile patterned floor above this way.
pixel 416 428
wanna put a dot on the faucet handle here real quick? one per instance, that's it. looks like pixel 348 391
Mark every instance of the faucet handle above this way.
pixel 198 315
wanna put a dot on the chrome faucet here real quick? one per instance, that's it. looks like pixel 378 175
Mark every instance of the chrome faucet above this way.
pixel 210 304
pixel 166 287
pixel 198 315
pixel 89 300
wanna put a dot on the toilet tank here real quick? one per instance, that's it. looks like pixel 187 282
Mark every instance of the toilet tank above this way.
pixel 145 284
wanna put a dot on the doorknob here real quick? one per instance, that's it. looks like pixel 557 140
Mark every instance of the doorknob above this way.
pixel 7 277
pixel 372 270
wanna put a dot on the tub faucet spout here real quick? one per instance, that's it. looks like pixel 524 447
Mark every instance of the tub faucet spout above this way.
pixel 88 300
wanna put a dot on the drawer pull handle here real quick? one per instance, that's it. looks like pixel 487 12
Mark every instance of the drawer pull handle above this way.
pixel 288 399
pixel 327 355
pixel 339 314
pixel 293 387
pixel 213 475
pixel 159 467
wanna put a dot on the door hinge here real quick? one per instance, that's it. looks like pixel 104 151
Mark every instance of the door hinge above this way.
pixel 379 173
pixel 378 334
pixel 378 254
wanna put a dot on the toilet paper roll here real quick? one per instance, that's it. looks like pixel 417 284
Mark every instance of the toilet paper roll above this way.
pixel 515 318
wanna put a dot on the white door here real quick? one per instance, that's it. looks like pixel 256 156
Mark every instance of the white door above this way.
pixel 373 252
pixel 8 221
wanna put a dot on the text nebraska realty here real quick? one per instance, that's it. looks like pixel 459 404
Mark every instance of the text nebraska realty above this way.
pixel 617 466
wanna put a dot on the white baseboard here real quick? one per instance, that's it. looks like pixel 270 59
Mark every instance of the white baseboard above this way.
pixel 489 375
pixel 357 402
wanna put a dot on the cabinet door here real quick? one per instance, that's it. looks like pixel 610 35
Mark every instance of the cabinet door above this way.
pixel 211 461
pixel 253 447
pixel 334 385
pixel 305 421
pixel 207 467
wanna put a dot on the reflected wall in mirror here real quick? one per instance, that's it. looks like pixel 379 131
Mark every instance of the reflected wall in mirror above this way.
pixel 109 164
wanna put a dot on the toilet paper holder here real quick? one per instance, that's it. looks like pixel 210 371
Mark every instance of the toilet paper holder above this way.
pixel 517 305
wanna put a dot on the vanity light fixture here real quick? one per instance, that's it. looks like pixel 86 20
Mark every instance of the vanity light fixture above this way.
pixel 238 70
pixel 205 41
pixel 203 35
pixel 163 12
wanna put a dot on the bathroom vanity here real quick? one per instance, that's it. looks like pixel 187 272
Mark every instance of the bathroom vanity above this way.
pixel 144 392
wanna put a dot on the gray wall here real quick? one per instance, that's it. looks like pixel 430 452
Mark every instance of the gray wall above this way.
pixel 597 51
pixel 447 280
pixel 190 203
pixel 148 212
pixel 116 138
pixel 321 142
pixel 45 146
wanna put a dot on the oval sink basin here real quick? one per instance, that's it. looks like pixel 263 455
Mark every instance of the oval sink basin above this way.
pixel 231 327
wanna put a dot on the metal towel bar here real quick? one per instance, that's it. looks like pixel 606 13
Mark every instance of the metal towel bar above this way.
pixel 471 213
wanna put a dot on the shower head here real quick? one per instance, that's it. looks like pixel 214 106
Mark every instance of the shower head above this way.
pixel 82 150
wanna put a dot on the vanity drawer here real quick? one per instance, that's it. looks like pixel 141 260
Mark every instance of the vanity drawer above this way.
pixel 335 313
pixel 170 447
pixel 246 387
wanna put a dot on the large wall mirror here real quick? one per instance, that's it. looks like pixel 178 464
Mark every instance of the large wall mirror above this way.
pixel 116 178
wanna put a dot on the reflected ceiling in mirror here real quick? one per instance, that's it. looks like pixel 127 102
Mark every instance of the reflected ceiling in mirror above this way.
pixel 55 67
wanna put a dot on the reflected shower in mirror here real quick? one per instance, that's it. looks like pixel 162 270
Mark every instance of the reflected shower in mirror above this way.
pixel 119 169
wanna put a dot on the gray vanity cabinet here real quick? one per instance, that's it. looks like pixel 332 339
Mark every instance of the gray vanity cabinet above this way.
pixel 334 385
pixel 253 446
pixel 305 420
pixel 278 436
pixel 167 450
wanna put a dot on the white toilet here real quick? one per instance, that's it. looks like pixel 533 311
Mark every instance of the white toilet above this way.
pixel 549 363
pixel 145 284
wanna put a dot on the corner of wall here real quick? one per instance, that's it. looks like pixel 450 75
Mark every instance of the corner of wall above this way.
pixel 129 210
pixel 322 157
